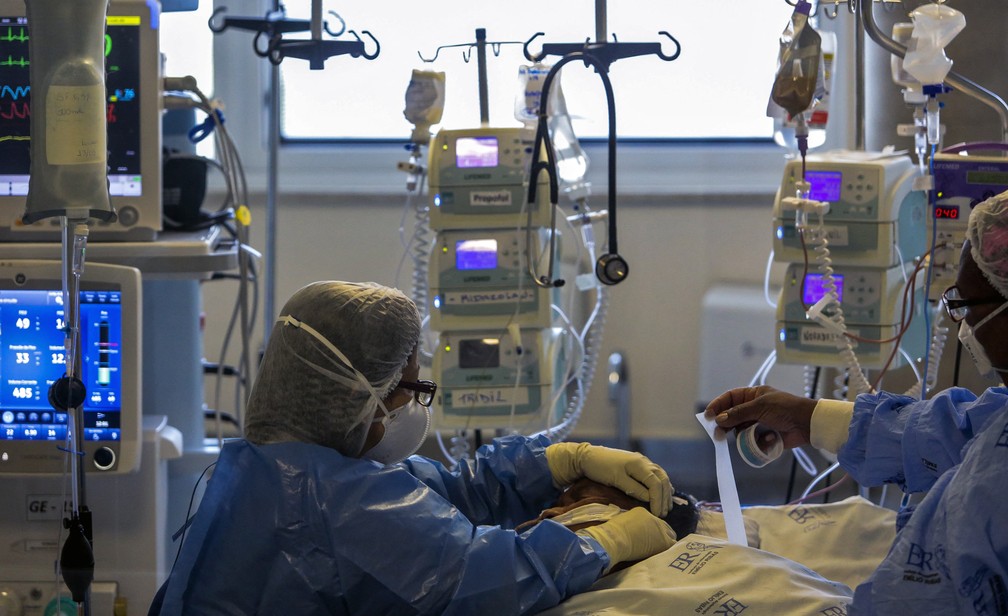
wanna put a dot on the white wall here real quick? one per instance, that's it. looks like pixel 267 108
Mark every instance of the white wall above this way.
pixel 677 247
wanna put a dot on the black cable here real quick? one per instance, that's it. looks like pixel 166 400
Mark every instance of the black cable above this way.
pixel 188 520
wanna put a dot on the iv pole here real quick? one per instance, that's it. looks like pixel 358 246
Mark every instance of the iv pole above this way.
pixel 316 50
pixel 69 179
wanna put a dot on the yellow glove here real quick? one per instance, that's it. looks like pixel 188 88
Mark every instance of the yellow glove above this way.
pixel 632 535
pixel 625 470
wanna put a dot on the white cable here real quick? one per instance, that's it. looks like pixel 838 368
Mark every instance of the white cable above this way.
pixel 761 373
pixel 804 461
pixel 812 484
pixel 766 282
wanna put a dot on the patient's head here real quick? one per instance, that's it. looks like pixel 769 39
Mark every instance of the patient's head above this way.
pixel 587 503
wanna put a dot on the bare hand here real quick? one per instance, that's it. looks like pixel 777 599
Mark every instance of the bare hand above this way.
pixel 788 414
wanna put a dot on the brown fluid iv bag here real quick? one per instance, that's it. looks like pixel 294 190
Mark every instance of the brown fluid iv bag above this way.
pixel 794 86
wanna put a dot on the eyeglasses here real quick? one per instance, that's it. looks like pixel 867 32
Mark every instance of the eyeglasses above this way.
pixel 956 306
pixel 423 391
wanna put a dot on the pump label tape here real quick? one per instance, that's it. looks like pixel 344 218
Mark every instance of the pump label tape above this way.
pixel 482 298
pixel 490 198
pixel 820 337
pixel 489 397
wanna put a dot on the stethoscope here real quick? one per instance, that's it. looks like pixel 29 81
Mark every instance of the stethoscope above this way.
pixel 610 268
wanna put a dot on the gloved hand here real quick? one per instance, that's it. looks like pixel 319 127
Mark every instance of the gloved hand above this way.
pixel 625 470
pixel 632 535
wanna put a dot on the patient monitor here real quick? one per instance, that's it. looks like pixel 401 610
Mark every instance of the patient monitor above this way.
pixel 33 435
pixel 133 105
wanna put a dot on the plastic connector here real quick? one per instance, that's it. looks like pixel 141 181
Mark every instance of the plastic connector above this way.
pixel 180 84
pixel 178 101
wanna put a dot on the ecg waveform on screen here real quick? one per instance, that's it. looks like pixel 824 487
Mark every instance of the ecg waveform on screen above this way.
pixel 122 105
pixel 14 33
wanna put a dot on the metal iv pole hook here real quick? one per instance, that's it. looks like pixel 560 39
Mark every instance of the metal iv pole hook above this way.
pixel 678 48
pixel 342 28
pixel 377 46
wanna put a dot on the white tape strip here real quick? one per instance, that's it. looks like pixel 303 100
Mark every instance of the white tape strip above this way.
pixel 730 506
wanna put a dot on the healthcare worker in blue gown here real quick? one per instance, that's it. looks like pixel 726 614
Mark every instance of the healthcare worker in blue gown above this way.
pixel 315 511
pixel 950 555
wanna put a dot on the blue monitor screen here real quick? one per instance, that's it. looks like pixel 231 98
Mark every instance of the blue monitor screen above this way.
pixel 476 152
pixel 476 254
pixel 825 185
pixel 815 288
pixel 33 356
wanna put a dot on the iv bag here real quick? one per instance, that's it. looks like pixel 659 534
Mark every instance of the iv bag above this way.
pixel 935 25
pixel 425 101
pixel 798 69
pixel 817 116
pixel 571 160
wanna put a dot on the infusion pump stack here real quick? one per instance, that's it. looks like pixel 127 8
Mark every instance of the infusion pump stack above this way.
pixel 875 228
pixel 498 360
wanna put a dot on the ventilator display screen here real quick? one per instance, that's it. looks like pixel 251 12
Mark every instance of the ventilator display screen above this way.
pixel 122 81
pixel 825 185
pixel 815 288
pixel 479 353
pixel 33 357
pixel 476 152
pixel 476 254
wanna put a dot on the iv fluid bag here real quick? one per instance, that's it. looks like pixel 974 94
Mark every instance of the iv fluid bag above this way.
pixel 794 86
pixel 935 25
pixel 817 117
pixel 571 160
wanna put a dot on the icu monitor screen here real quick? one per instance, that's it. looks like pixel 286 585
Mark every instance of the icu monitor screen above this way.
pixel 815 288
pixel 825 185
pixel 476 152
pixel 476 254
pixel 33 356
pixel 122 79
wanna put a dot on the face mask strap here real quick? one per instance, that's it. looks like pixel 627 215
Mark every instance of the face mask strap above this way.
pixel 990 316
pixel 293 322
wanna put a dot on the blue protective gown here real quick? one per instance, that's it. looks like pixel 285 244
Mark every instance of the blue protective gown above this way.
pixel 299 529
pixel 951 554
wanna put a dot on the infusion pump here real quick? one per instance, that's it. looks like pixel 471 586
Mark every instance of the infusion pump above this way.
pixel 961 182
pixel 492 379
pixel 871 300
pixel 875 219
pixel 479 178
pixel 479 279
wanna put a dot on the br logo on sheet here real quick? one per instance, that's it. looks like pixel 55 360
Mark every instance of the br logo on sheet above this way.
pixel 808 519
pixel 923 566
pixel 1003 439
pixel 695 556
pixel 837 610
pixel 720 604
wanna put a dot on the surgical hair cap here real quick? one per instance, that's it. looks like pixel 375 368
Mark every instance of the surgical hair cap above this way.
pixel 306 392
pixel 987 232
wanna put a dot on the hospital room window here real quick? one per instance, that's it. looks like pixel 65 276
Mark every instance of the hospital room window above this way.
pixel 716 89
